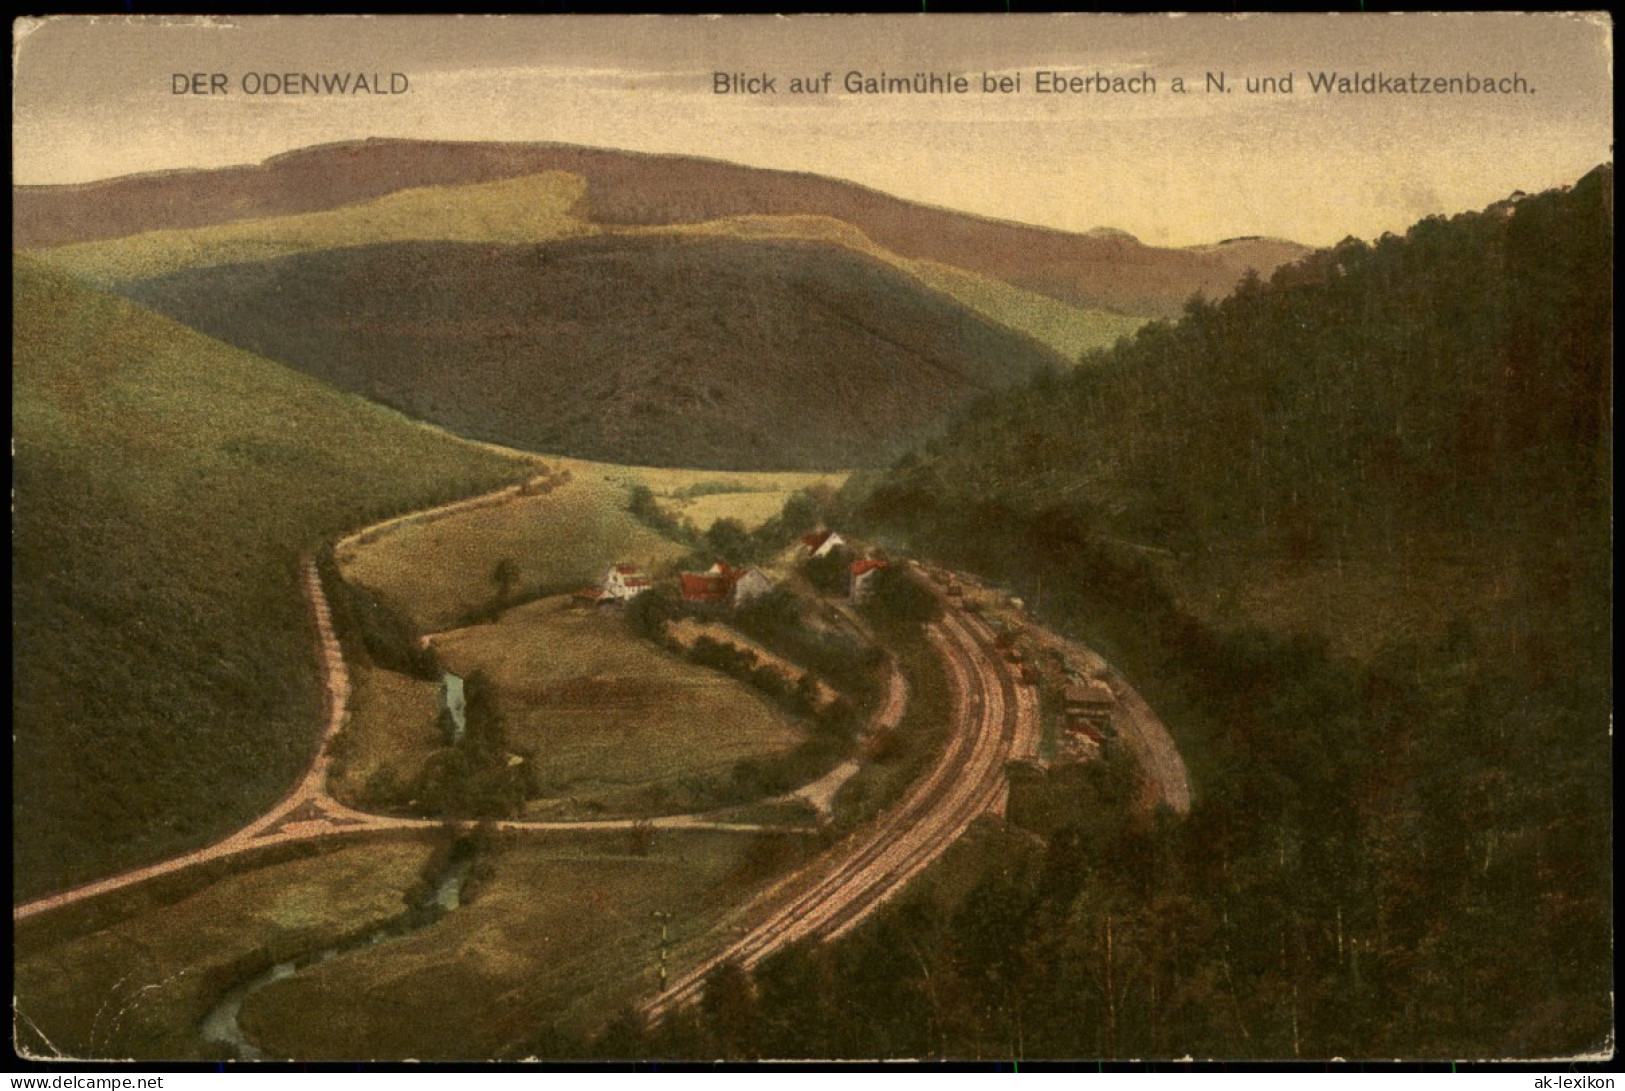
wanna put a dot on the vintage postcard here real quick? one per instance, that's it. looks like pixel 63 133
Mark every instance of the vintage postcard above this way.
pixel 771 538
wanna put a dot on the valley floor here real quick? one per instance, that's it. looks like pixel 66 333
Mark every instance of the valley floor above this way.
pixel 693 872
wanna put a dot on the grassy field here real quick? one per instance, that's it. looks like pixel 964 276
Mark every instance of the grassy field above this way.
pixel 701 497
pixel 392 729
pixel 560 932
pixel 1069 330
pixel 140 986
pixel 676 482
pixel 750 508
pixel 438 572
pixel 612 720
pixel 165 486
pixel 528 209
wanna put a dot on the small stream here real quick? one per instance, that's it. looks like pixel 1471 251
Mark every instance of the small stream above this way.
pixel 220 1027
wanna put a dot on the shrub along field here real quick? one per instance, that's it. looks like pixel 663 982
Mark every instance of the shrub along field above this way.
pixel 165 681
pixel 554 934
pixel 139 986
pixel 610 720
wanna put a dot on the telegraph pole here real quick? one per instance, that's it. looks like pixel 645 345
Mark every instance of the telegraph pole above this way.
pixel 664 918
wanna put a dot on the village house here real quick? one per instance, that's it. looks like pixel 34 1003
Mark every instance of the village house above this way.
pixel 724 585
pixel 821 543
pixel 864 574
pixel 705 588
pixel 749 584
pixel 623 582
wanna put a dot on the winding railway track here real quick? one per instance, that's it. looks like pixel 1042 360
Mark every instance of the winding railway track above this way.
pixel 993 717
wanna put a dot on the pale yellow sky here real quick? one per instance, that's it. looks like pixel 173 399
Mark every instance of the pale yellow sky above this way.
pixel 92 98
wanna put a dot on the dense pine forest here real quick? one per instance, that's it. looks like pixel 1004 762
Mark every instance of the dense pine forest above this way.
pixel 1401 843
pixel 703 352
pixel 1451 381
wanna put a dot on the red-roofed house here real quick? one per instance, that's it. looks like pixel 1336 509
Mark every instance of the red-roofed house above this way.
pixel 722 584
pixel 822 543
pixel 706 588
pixel 624 582
pixel 863 578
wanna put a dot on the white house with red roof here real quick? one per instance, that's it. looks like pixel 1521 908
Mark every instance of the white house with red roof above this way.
pixel 624 582
pixel 750 583
pixel 821 543
pixel 864 574
pixel 722 584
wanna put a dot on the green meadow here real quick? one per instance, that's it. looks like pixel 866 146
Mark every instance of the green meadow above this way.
pixel 436 573
pixel 555 933
pixel 139 986
pixel 611 721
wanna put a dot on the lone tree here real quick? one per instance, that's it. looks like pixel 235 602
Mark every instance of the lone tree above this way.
pixel 505 575
pixel 729 540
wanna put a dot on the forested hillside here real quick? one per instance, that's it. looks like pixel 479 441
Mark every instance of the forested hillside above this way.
pixel 1453 379
pixel 1401 852
pixel 166 688
pixel 708 352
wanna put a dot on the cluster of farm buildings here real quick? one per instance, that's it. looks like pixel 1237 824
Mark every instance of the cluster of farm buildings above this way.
pixel 723 585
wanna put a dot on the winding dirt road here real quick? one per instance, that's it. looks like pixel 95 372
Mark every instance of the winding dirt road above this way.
pixel 309 812
pixel 305 813
pixel 995 718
